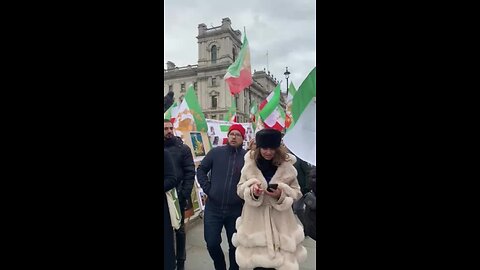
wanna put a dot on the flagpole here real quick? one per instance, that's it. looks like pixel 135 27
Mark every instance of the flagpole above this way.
pixel 287 75
pixel 250 101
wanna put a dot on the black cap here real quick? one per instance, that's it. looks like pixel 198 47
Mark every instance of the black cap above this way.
pixel 268 138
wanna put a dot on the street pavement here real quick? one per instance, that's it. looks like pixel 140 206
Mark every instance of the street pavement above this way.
pixel 199 259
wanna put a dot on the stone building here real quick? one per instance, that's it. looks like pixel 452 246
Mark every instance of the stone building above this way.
pixel 217 50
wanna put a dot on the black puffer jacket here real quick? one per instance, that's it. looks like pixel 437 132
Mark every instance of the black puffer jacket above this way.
pixel 309 218
pixel 303 170
pixel 224 164
pixel 184 166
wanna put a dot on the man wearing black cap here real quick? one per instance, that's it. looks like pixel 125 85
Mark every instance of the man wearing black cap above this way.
pixel 223 206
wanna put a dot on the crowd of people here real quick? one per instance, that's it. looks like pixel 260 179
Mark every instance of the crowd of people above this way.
pixel 258 195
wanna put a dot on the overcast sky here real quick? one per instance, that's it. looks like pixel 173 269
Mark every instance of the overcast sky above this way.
pixel 285 28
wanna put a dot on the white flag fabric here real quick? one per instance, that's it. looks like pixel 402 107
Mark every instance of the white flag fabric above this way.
pixel 301 139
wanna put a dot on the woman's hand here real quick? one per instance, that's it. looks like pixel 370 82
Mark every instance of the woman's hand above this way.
pixel 256 190
pixel 275 193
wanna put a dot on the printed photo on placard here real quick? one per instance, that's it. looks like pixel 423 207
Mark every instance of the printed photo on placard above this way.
pixel 215 141
pixel 197 144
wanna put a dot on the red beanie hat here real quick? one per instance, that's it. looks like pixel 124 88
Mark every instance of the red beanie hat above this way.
pixel 238 128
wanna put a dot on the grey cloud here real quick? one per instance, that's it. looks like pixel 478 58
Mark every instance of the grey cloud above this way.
pixel 285 28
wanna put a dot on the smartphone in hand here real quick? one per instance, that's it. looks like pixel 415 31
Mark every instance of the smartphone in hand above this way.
pixel 271 187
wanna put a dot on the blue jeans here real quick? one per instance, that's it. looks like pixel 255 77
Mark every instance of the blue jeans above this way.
pixel 214 220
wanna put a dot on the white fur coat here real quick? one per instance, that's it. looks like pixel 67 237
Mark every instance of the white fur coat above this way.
pixel 268 233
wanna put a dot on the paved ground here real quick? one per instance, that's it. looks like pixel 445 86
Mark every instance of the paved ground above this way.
pixel 199 259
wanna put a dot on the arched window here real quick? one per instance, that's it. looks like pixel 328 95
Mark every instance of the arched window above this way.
pixel 214 54
pixel 214 102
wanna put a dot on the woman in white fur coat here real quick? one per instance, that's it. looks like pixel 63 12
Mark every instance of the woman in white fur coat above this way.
pixel 268 233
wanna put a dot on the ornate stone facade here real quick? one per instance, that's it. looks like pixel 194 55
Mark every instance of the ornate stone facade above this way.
pixel 217 49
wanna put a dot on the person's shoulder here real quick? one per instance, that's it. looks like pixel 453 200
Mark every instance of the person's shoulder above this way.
pixel 248 155
pixel 181 144
pixel 218 149
pixel 292 159
pixel 178 140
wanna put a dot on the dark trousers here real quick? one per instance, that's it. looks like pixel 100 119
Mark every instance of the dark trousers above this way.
pixel 168 249
pixel 180 238
pixel 214 221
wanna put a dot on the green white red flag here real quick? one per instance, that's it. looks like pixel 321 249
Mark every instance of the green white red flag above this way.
pixel 301 136
pixel 190 116
pixel 271 112
pixel 288 113
pixel 239 74
pixel 171 113
pixel 253 113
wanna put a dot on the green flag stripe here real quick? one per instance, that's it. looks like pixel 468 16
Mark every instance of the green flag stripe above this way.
pixel 292 89
pixel 272 104
pixel 224 128
pixel 231 111
pixel 254 107
pixel 192 102
pixel 304 95
pixel 237 66
pixel 168 114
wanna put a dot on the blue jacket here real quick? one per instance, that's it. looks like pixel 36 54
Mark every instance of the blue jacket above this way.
pixel 224 163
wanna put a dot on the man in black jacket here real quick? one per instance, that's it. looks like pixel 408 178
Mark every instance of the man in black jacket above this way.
pixel 303 171
pixel 169 182
pixel 308 214
pixel 185 172
pixel 223 207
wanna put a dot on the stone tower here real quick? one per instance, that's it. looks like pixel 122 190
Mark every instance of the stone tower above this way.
pixel 218 48
pixel 218 45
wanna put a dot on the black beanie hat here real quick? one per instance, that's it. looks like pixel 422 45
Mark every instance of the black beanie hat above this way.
pixel 268 138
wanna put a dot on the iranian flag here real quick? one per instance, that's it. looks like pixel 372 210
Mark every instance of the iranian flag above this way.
pixel 271 112
pixel 231 115
pixel 253 114
pixel 258 122
pixel 301 136
pixel 288 114
pixel 189 114
pixel 171 113
pixel 239 74
pixel 253 111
